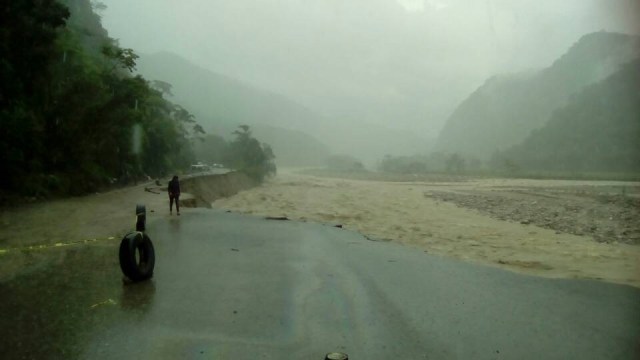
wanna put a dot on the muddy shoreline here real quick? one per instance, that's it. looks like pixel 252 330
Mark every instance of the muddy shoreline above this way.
pixel 550 228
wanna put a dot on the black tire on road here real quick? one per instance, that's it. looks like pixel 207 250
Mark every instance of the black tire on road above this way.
pixel 141 217
pixel 137 256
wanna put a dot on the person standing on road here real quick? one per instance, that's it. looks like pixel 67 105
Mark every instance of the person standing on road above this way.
pixel 174 194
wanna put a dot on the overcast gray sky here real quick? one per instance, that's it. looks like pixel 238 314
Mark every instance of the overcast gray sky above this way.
pixel 403 63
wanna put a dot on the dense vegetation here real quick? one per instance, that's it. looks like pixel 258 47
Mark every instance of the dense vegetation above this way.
pixel 503 111
pixel 250 156
pixel 74 117
pixel 244 153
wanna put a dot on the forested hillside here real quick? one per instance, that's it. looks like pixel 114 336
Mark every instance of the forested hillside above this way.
pixel 597 131
pixel 503 111
pixel 73 117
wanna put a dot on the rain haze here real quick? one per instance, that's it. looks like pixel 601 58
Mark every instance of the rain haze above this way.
pixel 441 179
pixel 401 64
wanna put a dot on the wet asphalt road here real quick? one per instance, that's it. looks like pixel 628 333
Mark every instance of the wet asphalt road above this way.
pixel 228 286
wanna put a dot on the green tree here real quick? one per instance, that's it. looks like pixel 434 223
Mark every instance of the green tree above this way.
pixel 74 118
pixel 28 31
pixel 248 155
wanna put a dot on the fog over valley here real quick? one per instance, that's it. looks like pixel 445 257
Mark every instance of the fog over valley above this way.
pixel 367 78
pixel 320 179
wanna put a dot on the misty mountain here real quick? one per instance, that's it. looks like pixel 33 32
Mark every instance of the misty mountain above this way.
pixel 597 131
pixel 503 111
pixel 402 64
pixel 295 148
pixel 221 103
pixel 217 99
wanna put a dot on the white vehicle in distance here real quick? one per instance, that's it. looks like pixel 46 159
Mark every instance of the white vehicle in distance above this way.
pixel 200 167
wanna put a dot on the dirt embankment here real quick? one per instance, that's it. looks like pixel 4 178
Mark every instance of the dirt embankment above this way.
pixel 207 188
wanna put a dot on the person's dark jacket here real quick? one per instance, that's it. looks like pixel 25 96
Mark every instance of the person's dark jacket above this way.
pixel 174 187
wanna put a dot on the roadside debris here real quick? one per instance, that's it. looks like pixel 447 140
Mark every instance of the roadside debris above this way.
pixel 283 218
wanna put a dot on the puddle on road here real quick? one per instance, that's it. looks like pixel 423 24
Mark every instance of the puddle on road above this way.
pixel 56 299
